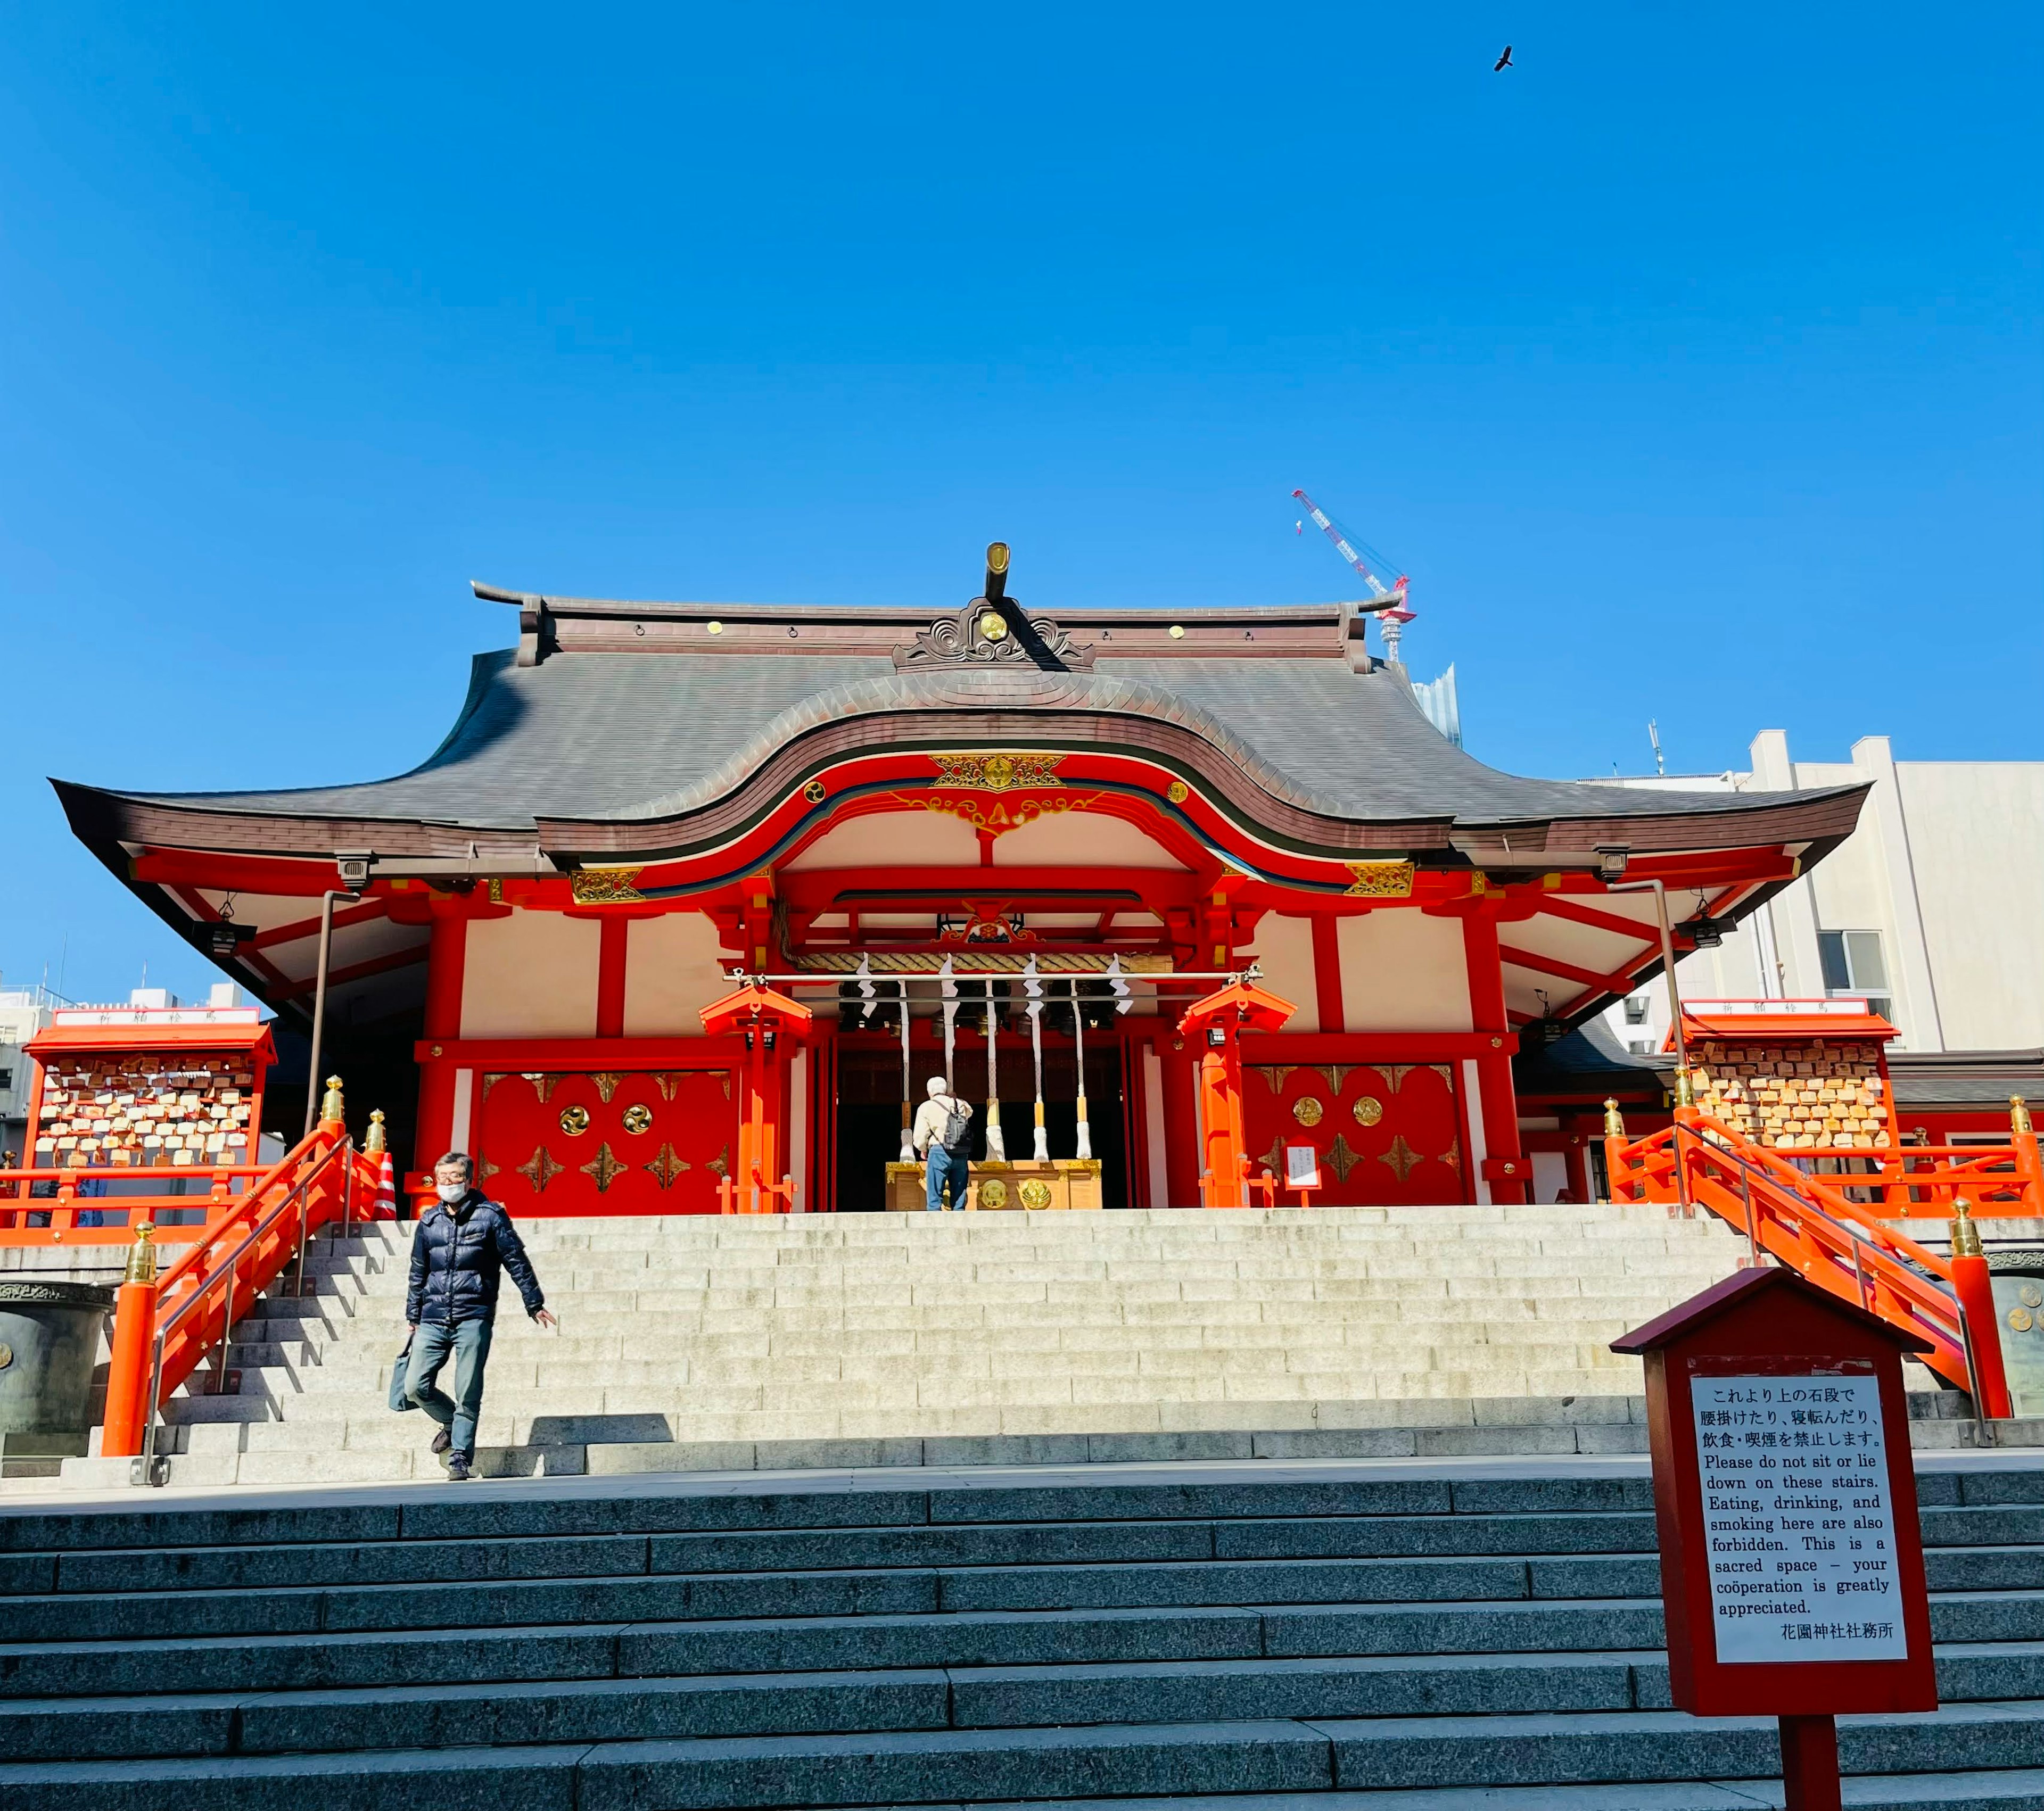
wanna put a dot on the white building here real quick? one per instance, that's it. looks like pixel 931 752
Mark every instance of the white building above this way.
pixel 1933 909
pixel 24 1011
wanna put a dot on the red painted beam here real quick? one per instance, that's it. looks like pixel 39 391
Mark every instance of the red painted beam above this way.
pixel 1573 910
pixel 1519 958
pixel 354 972
pixel 304 927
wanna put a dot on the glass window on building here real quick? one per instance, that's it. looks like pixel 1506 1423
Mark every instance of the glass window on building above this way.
pixel 1854 965
pixel 1635 1009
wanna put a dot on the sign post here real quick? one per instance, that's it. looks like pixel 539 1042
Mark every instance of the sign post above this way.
pixel 1791 1565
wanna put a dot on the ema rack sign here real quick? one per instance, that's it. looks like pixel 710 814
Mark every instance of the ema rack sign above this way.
pixel 1791 1566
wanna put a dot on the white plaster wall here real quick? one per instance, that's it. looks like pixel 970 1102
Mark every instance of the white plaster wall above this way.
pixel 890 839
pixel 1977 842
pixel 1403 971
pixel 531 975
pixel 1284 949
pixel 1080 839
pixel 673 967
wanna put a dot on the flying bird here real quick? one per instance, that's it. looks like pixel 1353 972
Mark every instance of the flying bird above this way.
pixel 1504 62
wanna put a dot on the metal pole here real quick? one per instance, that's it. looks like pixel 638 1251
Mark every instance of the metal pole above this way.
pixel 226 1334
pixel 1675 1018
pixel 319 1011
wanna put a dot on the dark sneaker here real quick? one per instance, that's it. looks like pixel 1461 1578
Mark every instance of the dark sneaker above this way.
pixel 458 1471
pixel 443 1440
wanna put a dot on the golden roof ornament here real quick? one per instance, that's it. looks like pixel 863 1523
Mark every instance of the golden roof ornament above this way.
pixel 376 1143
pixel 332 1110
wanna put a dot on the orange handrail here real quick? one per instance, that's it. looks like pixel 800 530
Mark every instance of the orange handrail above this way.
pixel 1842 1245
pixel 58 1213
pixel 165 1327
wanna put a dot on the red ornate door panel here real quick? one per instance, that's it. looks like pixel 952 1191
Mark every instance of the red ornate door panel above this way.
pixel 1386 1134
pixel 650 1141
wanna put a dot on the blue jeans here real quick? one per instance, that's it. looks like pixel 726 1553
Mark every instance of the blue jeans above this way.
pixel 941 1167
pixel 467 1342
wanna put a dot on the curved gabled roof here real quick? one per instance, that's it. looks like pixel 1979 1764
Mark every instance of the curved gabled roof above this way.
pixel 625 738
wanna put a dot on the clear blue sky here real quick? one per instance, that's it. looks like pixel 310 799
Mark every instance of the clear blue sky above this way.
pixel 1692 368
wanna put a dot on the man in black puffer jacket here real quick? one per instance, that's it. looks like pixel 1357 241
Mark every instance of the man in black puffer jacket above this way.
pixel 461 1244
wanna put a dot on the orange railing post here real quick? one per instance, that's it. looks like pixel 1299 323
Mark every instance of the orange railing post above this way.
pixel 1617 1179
pixel 1973 1284
pixel 134 1337
pixel 2029 1172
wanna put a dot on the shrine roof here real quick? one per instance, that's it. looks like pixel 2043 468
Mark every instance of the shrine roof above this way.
pixel 616 713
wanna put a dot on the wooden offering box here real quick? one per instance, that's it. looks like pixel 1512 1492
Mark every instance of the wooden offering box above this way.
pixel 1062 1182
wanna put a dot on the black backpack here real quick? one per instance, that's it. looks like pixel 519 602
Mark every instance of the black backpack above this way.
pixel 957 1139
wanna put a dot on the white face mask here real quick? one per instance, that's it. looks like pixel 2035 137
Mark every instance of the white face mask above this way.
pixel 450 1192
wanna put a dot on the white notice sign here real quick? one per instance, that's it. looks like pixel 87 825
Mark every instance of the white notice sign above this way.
pixel 1800 1518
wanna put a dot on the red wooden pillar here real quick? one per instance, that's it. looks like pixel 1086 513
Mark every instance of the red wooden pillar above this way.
pixel 1216 1025
pixel 446 957
pixel 1181 1138
pixel 771 1024
pixel 1505 1167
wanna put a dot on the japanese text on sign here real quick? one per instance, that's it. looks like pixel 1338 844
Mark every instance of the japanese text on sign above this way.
pixel 1800 1519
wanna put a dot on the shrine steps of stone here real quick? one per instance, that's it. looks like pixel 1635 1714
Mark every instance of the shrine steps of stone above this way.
pixel 1441 1635
pixel 699 1343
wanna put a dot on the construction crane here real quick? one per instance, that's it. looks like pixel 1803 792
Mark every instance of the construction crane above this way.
pixel 1387 602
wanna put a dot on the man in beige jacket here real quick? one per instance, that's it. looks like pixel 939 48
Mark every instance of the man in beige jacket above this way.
pixel 942 1138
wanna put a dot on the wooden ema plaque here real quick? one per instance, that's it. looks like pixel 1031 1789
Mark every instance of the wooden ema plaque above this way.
pixel 1791 1564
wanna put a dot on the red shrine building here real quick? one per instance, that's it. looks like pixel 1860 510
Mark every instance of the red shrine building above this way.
pixel 693 899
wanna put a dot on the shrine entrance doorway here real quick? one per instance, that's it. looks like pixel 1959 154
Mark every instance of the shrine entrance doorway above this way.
pixel 870 1098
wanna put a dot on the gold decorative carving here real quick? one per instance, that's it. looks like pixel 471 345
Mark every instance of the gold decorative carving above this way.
pixel 1178 792
pixel 1395 1073
pixel 1000 815
pixel 666 1167
pixel 1336 1073
pixel 638 1119
pixel 606 886
pixel 994 625
pixel 496 888
pixel 1452 1157
pixel 720 1164
pixel 606 1085
pixel 1380 880
pixel 484 1169
pixel 489 1082
pixel 603 1168
pixel 2021 1320
pixel 2030 1295
pixel 1308 1111
pixel 997 773
pixel 666 1084
pixel 1368 1110
pixel 1036 1194
pixel 544 1086
pixel 1401 1156
pixel 993 1192
pixel 1273 1073
pixel 1273 1159
pixel 814 792
pixel 539 1169
pixel 574 1121
pixel 1342 1157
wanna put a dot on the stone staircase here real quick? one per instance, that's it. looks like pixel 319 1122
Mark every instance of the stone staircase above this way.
pixel 1387 1636
pixel 776 1341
